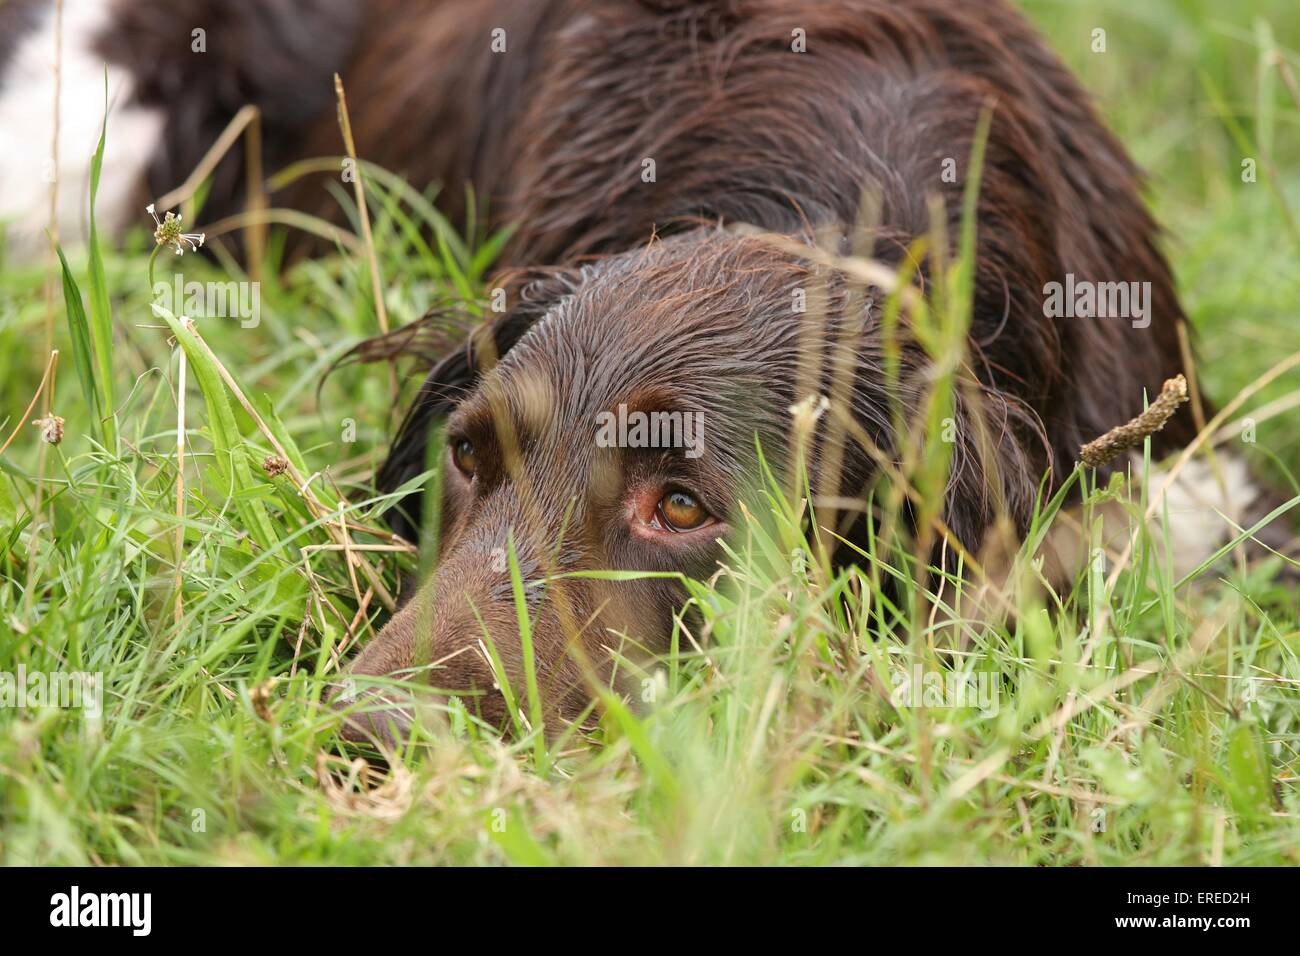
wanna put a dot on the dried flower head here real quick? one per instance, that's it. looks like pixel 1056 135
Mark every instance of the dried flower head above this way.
pixel 357 789
pixel 1132 434
pixel 261 699
pixel 275 465
pixel 51 427
pixel 169 231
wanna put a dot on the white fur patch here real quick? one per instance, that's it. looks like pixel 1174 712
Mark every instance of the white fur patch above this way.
pixel 1204 508
pixel 27 130
pixel 1198 502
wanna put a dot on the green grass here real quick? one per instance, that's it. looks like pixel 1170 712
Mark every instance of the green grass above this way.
pixel 762 738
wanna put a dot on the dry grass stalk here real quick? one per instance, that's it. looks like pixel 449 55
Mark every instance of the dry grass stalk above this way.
pixel 345 125
pixel 40 390
pixel 48 396
pixel 355 788
pixel 1132 434
pixel 54 180
pixel 254 221
pixel 178 608
pixel 1202 436
pixel 182 194
pixel 312 225
pixel 314 504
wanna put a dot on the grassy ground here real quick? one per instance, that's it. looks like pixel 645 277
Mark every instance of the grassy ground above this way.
pixel 1132 720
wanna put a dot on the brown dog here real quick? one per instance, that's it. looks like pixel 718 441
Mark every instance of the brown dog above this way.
pixel 739 127
pixel 622 139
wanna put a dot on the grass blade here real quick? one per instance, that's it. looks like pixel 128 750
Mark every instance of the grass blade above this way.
pixel 101 316
pixel 227 440
pixel 79 328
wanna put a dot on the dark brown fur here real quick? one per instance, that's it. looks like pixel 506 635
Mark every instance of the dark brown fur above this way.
pixel 553 133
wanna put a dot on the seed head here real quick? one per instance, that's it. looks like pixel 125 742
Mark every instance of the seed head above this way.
pixel 168 231
pixel 51 427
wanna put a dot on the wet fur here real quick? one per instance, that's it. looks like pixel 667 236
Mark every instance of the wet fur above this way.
pixel 744 131
pixel 624 290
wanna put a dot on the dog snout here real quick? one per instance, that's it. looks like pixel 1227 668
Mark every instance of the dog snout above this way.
pixel 434 644
pixel 372 717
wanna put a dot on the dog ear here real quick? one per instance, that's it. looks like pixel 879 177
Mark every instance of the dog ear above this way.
pixel 444 386
pixel 452 378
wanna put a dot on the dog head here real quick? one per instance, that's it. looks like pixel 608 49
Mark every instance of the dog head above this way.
pixel 619 428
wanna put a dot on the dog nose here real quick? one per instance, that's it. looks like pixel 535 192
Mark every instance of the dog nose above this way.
pixel 371 717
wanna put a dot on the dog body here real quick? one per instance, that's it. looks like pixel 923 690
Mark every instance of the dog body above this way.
pixel 621 140
pixel 734 126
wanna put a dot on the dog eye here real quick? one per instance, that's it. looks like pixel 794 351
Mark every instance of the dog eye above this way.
pixel 466 459
pixel 678 511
